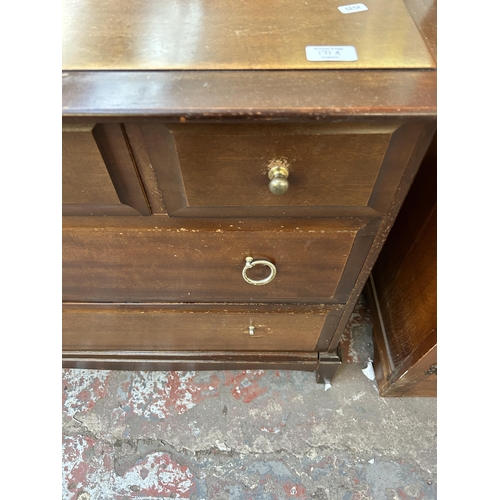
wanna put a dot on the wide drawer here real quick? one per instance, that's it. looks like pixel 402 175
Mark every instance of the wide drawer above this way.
pixel 333 169
pixel 157 259
pixel 181 327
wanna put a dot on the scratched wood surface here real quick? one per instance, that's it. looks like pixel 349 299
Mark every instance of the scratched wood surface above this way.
pixel 197 327
pixel 235 35
pixel 223 169
pixel 99 266
pixel 98 172
pixel 151 259
pixel 404 282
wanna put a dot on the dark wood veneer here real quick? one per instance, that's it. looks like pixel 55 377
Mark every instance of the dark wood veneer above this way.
pixel 153 259
pixel 160 163
pixel 99 175
pixel 419 149
pixel 244 96
pixel 196 327
pixel 191 360
pixel 201 166
pixel 403 292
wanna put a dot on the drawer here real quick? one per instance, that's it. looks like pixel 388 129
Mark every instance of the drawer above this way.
pixel 158 259
pixel 225 170
pixel 202 327
pixel 98 172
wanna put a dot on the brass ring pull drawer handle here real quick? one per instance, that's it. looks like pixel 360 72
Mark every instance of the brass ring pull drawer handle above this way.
pixel 251 263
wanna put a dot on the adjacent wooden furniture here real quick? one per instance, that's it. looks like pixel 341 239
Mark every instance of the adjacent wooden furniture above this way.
pixel 402 293
pixel 224 197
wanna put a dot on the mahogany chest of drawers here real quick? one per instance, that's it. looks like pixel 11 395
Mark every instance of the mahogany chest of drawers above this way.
pixel 224 208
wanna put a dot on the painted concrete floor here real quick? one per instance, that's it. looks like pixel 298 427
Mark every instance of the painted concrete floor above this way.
pixel 249 435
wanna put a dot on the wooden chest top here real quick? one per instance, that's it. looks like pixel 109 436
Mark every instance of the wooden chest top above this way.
pixel 237 35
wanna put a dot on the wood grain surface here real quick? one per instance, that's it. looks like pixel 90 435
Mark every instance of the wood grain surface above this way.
pixel 223 169
pixel 183 327
pixel 85 178
pixel 240 96
pixel 158 259
pixel 191 360
pixel 165 264
pixel 235 35
pixel 404 292
pixel 98 172
pixel 418 151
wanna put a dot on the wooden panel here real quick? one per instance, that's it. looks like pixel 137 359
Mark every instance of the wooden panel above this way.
pixel 237 96
pixel 85 176
pixel 145 168
pixel 221 170
pixel 419 204
pixel 160 259
pixel 179 327
pixel 116 153
pixel 357 257
pixel 406 271
pixel 421 377
pixel 415 376
pixel 403 292
pixel 190 360
pixel 408 300
pixel 424 13
pixel 98 175
pixel 216 34
pixel 414 160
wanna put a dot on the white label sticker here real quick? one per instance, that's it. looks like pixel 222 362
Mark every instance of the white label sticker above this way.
pixel 355 7
pixel 318 53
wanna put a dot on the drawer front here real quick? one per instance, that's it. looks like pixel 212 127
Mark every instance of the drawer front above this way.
pixel 216 327
pixel 160 260
pixel 98 174
pixel 224 170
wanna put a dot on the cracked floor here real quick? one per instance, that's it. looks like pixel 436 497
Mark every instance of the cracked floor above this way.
pixel 249 435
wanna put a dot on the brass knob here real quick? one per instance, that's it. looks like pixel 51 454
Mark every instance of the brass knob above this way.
pixel 278 175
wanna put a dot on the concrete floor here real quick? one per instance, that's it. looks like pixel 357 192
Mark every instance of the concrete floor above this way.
pixel 256 435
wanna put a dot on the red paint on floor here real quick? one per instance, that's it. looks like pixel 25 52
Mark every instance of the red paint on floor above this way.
pixel 156 476
pixel 295 490
pixel 244 385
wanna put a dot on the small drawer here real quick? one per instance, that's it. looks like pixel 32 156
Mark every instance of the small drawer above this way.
pixel 158 259
pixel 98 172
pixel 198 327
pixel 227 170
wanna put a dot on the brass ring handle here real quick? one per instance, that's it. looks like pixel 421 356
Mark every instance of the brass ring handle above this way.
pixel 278 175
pixel 251 263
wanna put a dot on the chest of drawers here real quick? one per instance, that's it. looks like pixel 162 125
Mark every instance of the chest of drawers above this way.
pixel 222 210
